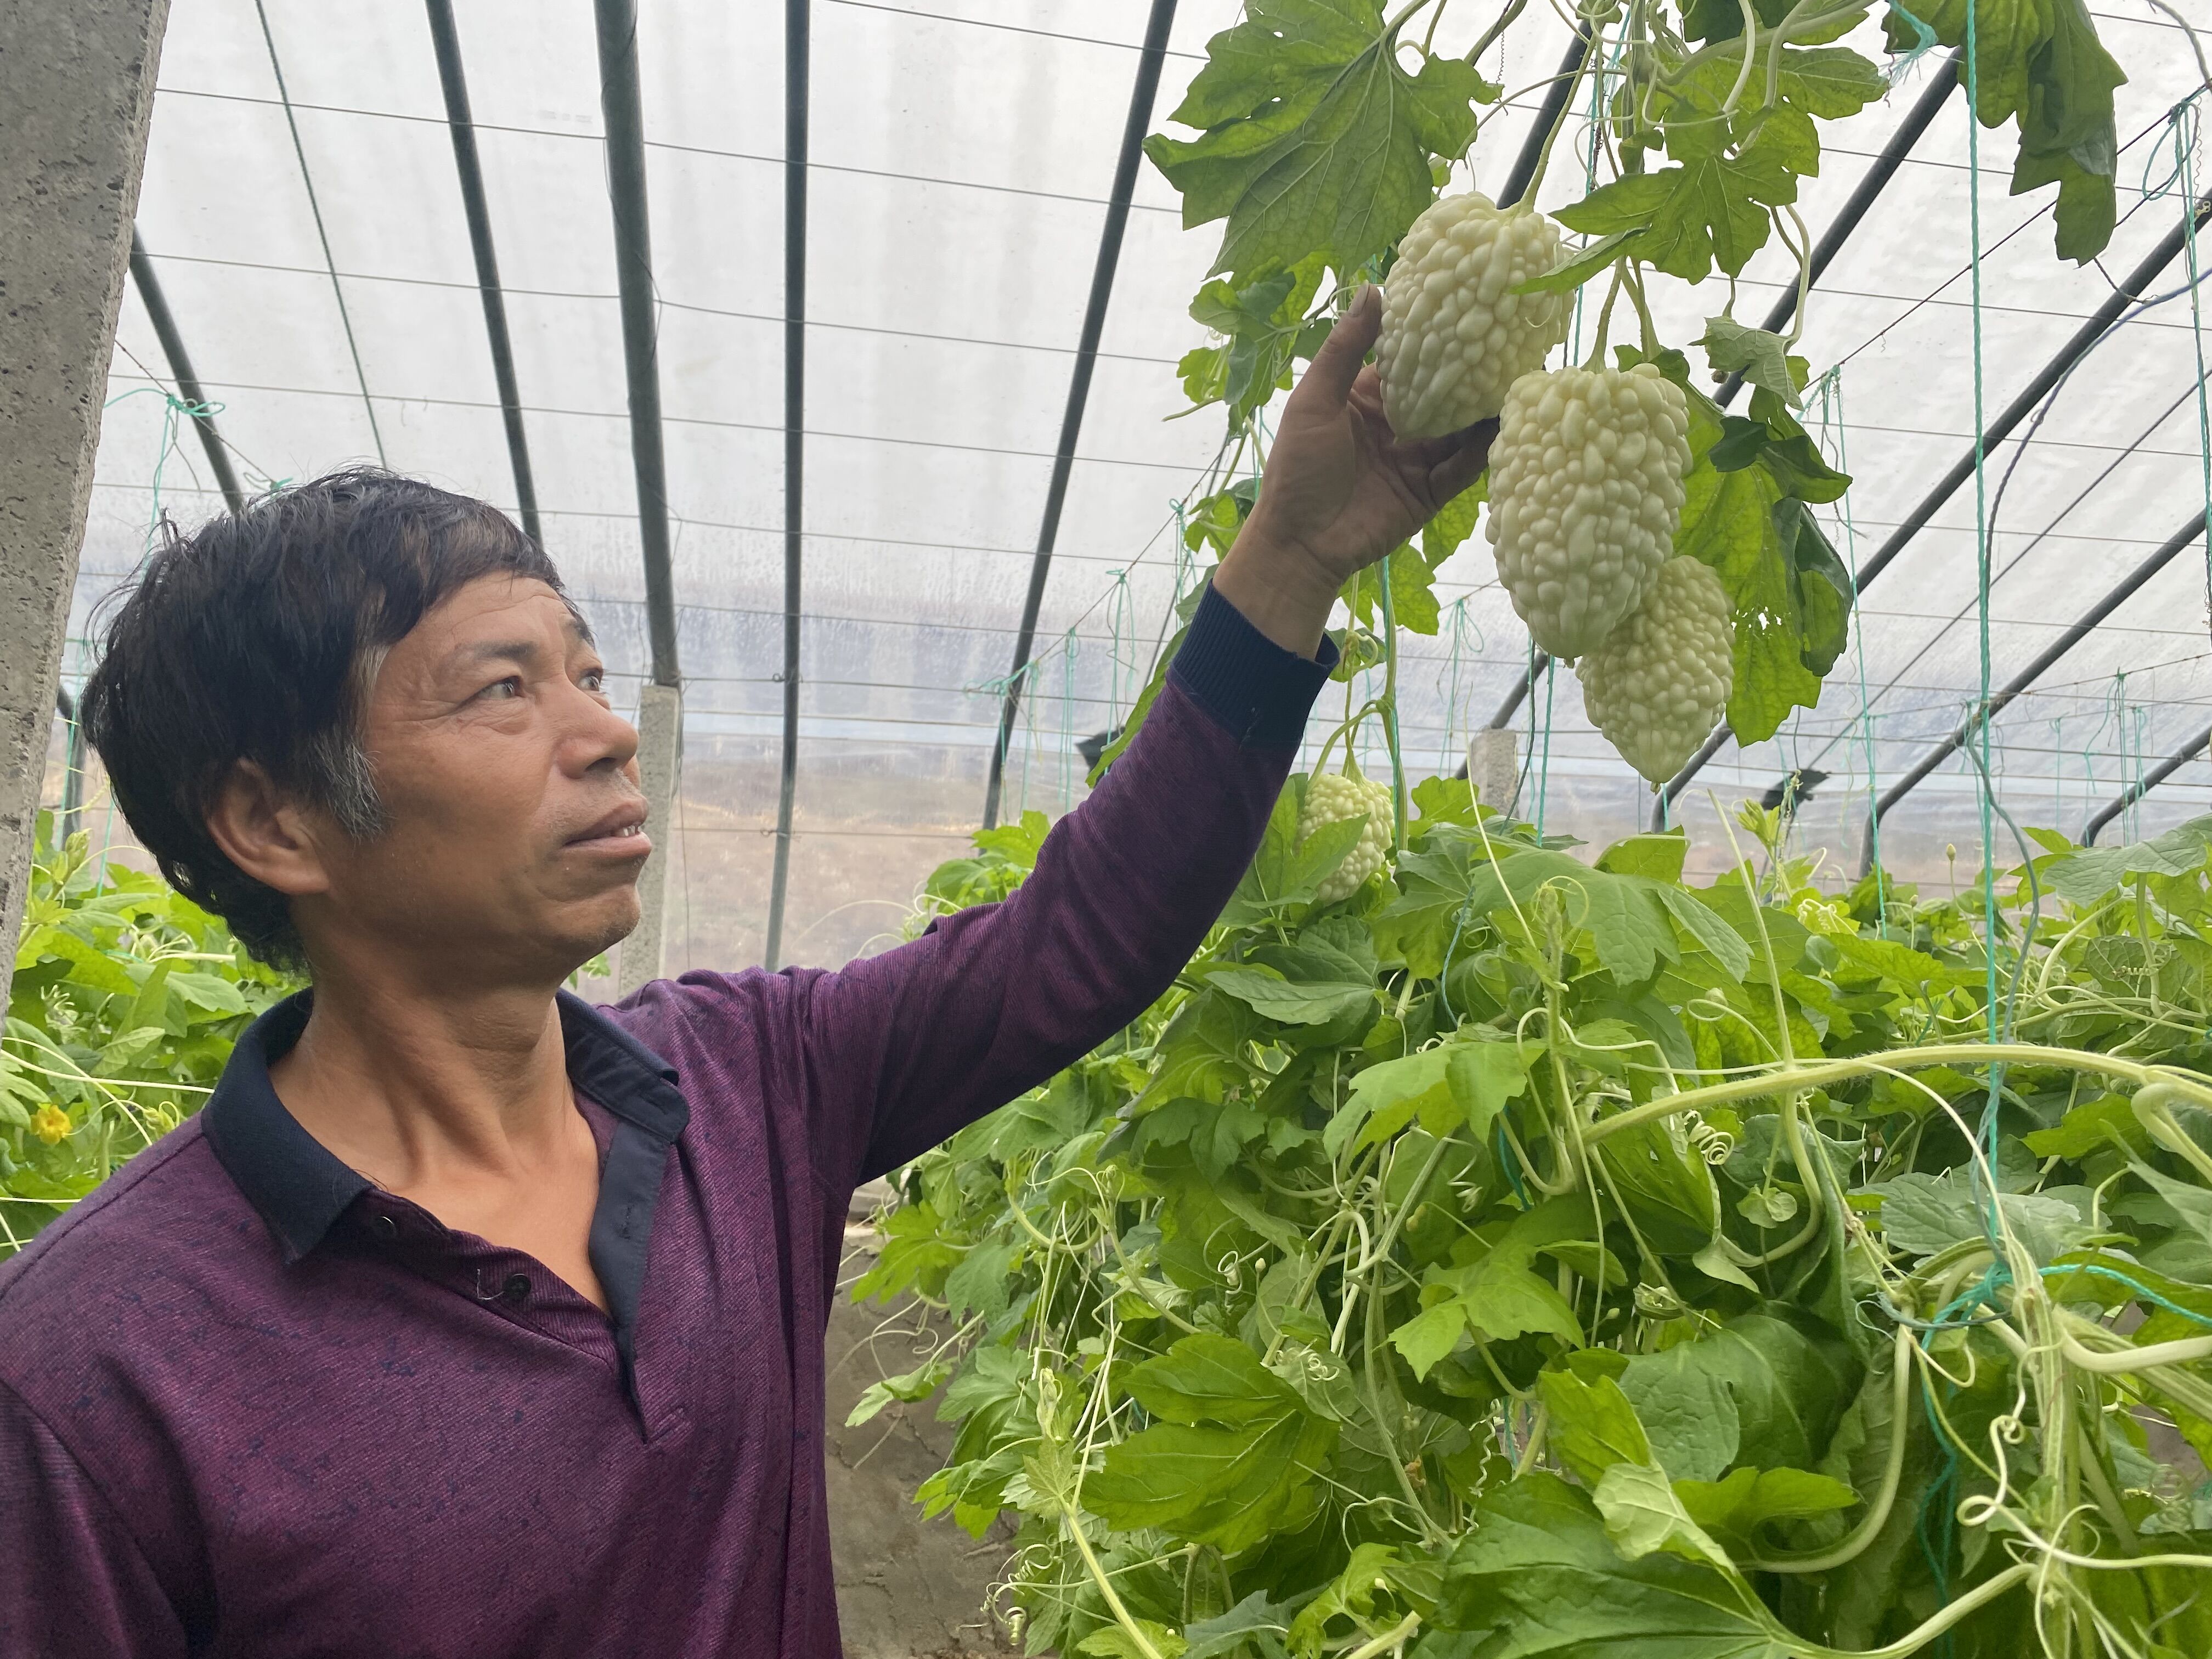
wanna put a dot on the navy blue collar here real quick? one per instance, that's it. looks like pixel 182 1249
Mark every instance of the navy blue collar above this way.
pixel 301 1188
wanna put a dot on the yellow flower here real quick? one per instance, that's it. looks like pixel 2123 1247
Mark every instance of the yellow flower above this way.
pixel 50 1123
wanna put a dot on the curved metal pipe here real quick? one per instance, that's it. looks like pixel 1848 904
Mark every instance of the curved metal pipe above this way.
pixel 445 40
pixel 2123 590
pixel 1148 60
pixel 2149 781
pixel 798 96
pixel 2126 294
pixel 623 108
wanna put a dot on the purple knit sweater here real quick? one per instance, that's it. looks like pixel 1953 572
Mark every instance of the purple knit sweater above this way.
pixel 250 1404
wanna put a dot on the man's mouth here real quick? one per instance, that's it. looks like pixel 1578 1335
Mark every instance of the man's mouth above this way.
pixel 622 831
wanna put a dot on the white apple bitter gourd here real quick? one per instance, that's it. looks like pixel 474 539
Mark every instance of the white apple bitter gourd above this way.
pixel 1657 684
pixel 1331 799
pixel 1454 336
pixel 1585 495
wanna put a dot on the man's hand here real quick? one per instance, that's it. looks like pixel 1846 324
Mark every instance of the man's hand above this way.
pixel 1341 490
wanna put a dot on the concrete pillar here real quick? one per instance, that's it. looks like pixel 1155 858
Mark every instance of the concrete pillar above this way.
pixel 76 82
pixel 1493 767
pixel 660 769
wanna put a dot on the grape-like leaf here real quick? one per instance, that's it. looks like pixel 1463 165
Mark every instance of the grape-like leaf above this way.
pixel 1315 138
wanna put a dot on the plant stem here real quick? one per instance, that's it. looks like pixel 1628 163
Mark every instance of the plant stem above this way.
pixel 1930 1629
pixel 1821 1073
pixel 1396 1636
pixel 1129 1626
pixel 1391 712
pixel 1527 202
pixel 1853 1543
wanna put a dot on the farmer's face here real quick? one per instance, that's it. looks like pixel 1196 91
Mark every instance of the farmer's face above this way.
pixel 513 821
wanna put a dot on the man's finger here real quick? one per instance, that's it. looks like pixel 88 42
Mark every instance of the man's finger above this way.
pixel 1337 364
pixel 1464 465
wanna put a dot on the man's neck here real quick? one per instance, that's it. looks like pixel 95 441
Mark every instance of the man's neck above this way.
pixel 422 1091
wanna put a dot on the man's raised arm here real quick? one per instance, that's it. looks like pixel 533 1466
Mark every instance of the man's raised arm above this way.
pixel 907 1047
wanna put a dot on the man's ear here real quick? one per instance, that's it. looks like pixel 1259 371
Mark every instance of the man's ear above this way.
pixel 265 833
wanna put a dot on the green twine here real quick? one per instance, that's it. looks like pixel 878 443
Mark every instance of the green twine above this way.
pixel 1924 42
pixel 172 406
pixel 1986 1136
pixel 2181 124
pixel 1120 608
pixel 1460 628
pixel 2141 1292
pixel 1544 766
pixel 1830 389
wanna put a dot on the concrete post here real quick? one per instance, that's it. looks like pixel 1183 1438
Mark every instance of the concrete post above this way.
pixel 660 769
pixel 1493 767
pixel 76 80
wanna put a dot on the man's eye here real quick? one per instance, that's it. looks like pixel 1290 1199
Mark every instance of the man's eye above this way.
pixel 595 680
pixel 502 689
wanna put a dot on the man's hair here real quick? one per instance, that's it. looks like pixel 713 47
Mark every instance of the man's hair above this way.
pixel 257 638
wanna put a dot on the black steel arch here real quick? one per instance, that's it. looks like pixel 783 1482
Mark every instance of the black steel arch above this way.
pixel 623 107
pixel 1148 60
pixel 180 370
pixel 2149 781
pixel 2127 293
pixel 2081 629
pixel 446 41
pixel 798 81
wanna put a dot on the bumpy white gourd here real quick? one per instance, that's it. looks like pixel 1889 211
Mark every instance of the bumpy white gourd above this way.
pixel 1330 797
pixel 1585 494
pixel 1657 684
pixel 1454 335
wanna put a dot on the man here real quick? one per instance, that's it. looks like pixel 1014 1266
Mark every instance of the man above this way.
pixel 468 1320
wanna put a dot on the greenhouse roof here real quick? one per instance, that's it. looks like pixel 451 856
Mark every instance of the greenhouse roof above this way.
pixel 303 216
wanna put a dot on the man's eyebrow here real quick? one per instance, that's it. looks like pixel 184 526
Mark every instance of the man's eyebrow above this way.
pixel 524 651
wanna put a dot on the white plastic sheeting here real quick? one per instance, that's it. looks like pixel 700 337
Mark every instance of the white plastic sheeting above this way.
pixel 961 153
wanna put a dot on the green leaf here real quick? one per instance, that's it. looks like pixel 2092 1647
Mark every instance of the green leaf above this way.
pixel 2099 1125
pixel 1592 1425
pixel 917 1384
pixel 1729 522
pixel 1454 522
pixel 1577 266
pixel 1923 1213
pixel 1447 1086
pixel 1316 138
pixel 1429 1335
pixel 1689 1412
pixel 1787 1387
pixel 1502 1301
pixel 1762 357
pixel 1268 993
pixel 1631 921
pixel 1113 1641
pixel 1642 1514
pixel 2192 1204
pixel 1412 593
pixel 1226 1634
pixel 1208 1378
pixel 1713 210
pixel 1538 1578
pixel 983 1281
pixel 2041 61
pixel 1657 853
pixel 2087 876
pixel 1229 1487
pixel 1735 1508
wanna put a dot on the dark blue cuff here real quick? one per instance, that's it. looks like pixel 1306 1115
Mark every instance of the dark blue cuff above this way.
pixel 1260 691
